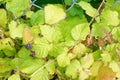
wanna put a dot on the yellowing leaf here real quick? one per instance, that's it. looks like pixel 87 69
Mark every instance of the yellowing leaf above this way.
pixel 105 73
pixel 29 14
pixel 106 57
pixel 114 66
pixel 95 68
pixel 87 61
pixel 54 13
pixel 27 36
pixel 3 17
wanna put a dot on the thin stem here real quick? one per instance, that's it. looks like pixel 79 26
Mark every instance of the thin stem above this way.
pixel 98 10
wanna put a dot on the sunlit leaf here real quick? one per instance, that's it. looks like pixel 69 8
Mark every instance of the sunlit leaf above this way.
pixel 27 36
pixel 52 34
pixel 87 61
pixel 73 69
pixel 15 30
pixel 17 7
pixel 42 49
pixel 41 75
pixel 84 74
pixel 111 18
pixel 54 13
pixel 116 33
pixel 80 31
pixel 79 49
pixel 106 57
pixel 88 8
pixel 114 66
pixel 14 77
pixel 51 68
pixel 30 65
pixel 63 60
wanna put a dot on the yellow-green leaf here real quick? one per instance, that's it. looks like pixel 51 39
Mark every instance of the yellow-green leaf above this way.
pixel 54 13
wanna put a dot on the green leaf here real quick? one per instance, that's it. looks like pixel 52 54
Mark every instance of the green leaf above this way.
pixel 42 49
pixel 24 53
pixel 79 49
pixel 116 33
pixel 56 50
pixel 52 34
pixel 17 7
pixel 3 17
pixel 5 65
pixel 80 31
pixel 73 69
pixel 111 18
pixel 14 77
pixel 41 75
pixel 88 8
pixel 63 60
pixel 54 13
pixel 15 63
pixel 51 67
pixel 9 53
pixel 68 2
pixel 37 17
pixel 28 66
pixel 76 10
pixel 97 31
pixel 114 66
pixel 6 43
pixel 14 30
pixel 69 23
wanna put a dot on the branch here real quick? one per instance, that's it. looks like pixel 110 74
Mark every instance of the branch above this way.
pixel 98 11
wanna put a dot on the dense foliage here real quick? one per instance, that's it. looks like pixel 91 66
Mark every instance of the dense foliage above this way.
pixel 60 39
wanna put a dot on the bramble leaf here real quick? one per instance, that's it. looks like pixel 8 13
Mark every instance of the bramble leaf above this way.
pixel 80 31
pixel 3 17
pixel 88 8
pixel 37 18
pixel 15 30
pixel 17 7
pixel 41 75
pixel 63 60
pixel 73 69
pixel 14 77
pixel 54 13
